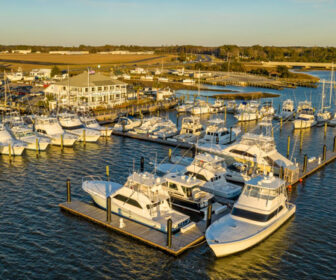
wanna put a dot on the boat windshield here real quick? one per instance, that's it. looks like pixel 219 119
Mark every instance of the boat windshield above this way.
pixel 242 213
pixel 261 193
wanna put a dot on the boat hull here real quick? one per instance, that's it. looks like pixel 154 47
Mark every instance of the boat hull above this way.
pixel 229 248
pixel 15 151
pixel 42 146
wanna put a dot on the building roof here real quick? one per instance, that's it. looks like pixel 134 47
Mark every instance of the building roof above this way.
pixel 83 79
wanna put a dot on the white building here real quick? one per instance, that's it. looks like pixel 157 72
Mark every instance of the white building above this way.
pixel 163 79
pixel 147 78
pixel 69 52
pixel 90 91
pixel 199 75
pixel 21 51
pixel 189 81
pixel 40 73
pixel 138 70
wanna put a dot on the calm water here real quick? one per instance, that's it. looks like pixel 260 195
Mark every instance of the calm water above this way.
pixel 38 241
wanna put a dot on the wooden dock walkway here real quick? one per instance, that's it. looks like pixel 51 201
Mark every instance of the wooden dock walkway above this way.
pixel 180 241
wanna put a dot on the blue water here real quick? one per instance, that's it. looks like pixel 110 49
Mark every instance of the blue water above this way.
pixel 38 241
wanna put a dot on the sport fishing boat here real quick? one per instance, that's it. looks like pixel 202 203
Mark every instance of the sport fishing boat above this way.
pixel 91 122
pixel 191 129
pixel 305 117
pixel 231 106
pixel 260 210
pixel 50 127
pixel 218 106
pixel 323 115
pixel 185 193
pixel 200 108
pixel 126 124
pixel 217 137
pixel 248 112
pixel 287 111
pixel 8 144
pixel 142 199
pixel 165 128
pixel 212 171
pixel 147 125
pixel 72 124
pixel 258 150
pixel 267 110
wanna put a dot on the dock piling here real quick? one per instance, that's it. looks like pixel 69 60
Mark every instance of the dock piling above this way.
pixel 288 145
pixel 169 233
pixel 142 164
pixel 325 129
pixel 37 147
pixel 169 153
pixel 305 161
pixel 108 172
pixel 230 134
pixel 68 184
pixel 209 214
pixel 62 142
pixel 10 153
pixel 280 123
pixel 281 172
pixel 84 137
pixel 301 140
pixel 108 209
pixel 334 147
pixel 324 152
pixel 225 114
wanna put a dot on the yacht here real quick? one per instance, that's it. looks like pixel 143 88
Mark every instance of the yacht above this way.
pixel 287 111
pixel 148 125
pixel 218 106
pixel 8 144
pixel 305 117
pixel 260 210
pixel 50 127
pixel 142 199
pixel 191 129
pixel 91 122
pixel 231 106
pixel 165 128
pixel 126 124
pixel 72 124
pixel 216 135
pixel 200 108
pixel 212 171
pixel 248 112
pixel 332 121
pixel 185 193
pixel 258 150
pixel 267 109
pixel 186 107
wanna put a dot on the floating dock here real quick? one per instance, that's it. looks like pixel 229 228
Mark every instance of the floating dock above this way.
pixel 180 242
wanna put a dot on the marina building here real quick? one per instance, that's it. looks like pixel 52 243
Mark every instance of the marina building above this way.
pixel 21 51
pixel 88 90
pixel 40 73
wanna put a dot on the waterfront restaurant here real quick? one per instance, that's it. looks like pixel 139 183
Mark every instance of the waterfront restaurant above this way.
pixel 89 91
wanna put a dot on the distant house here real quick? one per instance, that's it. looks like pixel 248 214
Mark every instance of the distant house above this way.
pixel 189 81
pixel 90 91
pixel 126 76
pixel 138 70
pixel 163 79
pixel 147 78
pixel 69 52
pixel 199 75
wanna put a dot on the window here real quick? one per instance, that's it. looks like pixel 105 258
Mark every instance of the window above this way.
pixel 93 89
pixel 105 88
pixel 254 216
pixel 173 186
pixel 242 153
pixel 198 176
pixel 99 88
pixel 128 200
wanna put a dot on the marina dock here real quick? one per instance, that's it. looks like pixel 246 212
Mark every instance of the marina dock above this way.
pixel 180 242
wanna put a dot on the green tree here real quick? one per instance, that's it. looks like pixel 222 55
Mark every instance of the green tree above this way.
pixel 55 71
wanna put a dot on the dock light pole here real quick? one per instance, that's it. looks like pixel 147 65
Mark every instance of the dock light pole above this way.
pixel 142 164
pixel 68 185
pixel 169 232
pixel 209 214
pixel 108 209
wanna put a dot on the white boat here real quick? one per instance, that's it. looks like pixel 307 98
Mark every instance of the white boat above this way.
pixel 126 124
pixel 8 144
pixel 218 106
pixel 231 106
pixel 191 129
pixel 258 151
pixel 201 108
pixel 72 124
pixel 15 76
pixel 27 135
pixel 332 121
pixel 248 112
pixel 260 210
pixel 50 127
pixel 185 193
pixel 267 109
pixel 305 117
pixel 287 111
pixel 217 134
pixel 323 115
pixel 92 123
pixel 186 107
pixel 212 171
pixel 165 128
pixel 142 199
pixel 148 125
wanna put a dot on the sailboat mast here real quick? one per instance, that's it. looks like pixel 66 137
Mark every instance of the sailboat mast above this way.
pixel 322 101
pixel 68 86
pixel 199 81
pixel 331 82
pixel 5 80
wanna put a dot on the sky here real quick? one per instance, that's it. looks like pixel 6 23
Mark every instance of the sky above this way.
pixel 168 22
